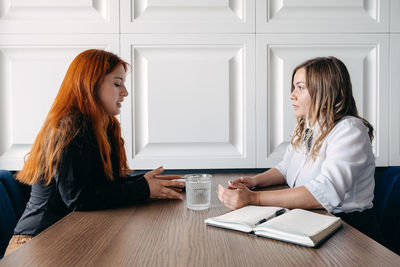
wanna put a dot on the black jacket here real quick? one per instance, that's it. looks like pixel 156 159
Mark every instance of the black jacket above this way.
pixel 79 184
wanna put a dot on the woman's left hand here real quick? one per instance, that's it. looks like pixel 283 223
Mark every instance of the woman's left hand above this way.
pixel 163 186
pixel 237 196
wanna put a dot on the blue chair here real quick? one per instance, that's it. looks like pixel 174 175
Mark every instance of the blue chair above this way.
pixel 13 198
pixel 387 205
pixel 15 192
pixel 8 220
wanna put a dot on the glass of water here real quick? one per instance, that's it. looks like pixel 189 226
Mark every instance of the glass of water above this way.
pixel 198 191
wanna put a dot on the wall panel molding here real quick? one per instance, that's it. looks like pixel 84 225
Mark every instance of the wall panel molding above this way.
pixel 394 96
pixel 394 16
pixel 187 16
pixel 364 56
pixel 192 101
pixel 62 16
pixel 31 71
pixel 322 16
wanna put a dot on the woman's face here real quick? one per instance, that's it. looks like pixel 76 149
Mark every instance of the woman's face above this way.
pixel 112 91
pixel 301 99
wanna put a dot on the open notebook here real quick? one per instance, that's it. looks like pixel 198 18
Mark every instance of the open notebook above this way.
pixel 297 226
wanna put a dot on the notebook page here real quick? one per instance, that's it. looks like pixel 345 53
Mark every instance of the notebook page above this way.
pixel 249 214
pixel 300 222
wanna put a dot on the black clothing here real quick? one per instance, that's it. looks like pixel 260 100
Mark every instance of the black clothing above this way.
pixel 79 184
pixel 364 222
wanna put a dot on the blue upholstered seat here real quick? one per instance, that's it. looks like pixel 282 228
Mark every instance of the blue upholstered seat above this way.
pixel 8 220
pixel 387 205
pixel 15 193
pixel 13 198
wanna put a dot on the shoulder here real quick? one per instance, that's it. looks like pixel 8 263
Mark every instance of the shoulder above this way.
pixel 72 121
pixel 350 127
pixel 350 122
pixel 76 128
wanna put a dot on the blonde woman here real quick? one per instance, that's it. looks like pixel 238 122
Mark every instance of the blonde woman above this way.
pixel 329 162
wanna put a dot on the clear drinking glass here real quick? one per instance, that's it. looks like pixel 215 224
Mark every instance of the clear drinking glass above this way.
pixel 198 191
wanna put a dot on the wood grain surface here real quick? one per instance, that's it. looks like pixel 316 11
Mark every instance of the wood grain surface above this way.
pixel 166 233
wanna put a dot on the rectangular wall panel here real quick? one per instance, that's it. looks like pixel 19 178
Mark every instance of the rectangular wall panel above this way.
pixel 191 101
pixel 187 16
pixel 365 57
pixel 395 16
pixel 61 16
pixel 394 96
pixel 32 68
pixel 322 16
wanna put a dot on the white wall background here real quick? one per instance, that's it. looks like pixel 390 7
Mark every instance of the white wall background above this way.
pixel 210 82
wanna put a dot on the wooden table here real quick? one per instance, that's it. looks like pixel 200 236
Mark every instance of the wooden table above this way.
pixel 165 233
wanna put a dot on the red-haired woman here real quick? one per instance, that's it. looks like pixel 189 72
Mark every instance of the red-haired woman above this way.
pixel 78 160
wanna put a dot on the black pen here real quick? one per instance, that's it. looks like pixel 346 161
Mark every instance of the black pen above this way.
pixel 280 212
pixel 261 221
pixel 277 213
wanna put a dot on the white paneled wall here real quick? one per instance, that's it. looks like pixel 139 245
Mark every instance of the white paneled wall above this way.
pixel 322 16
pixel 187 16
pixel 193 99
pixel 394 96
pixel 394 16
pixel 210 79
pixel 32 68
pixel 365 56
pixel 60 16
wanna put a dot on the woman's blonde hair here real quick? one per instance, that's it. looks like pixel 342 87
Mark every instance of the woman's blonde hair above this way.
pixel 329 85
pixel 77 98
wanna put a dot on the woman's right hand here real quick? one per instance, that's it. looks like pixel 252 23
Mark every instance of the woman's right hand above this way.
pixel 247 181
pixel 161 186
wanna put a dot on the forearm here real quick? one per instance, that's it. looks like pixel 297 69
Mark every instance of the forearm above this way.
pixel 291 198
pixel 270 177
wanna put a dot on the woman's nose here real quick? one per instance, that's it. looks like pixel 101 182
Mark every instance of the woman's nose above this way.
pixel 292 95
pixel 124 92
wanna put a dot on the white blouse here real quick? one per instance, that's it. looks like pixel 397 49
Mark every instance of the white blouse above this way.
pixel 341 178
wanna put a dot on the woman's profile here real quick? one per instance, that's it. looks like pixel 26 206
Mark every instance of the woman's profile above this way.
pixel 78 160
pixel 329 162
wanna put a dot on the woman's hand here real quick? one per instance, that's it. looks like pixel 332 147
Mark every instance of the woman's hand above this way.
pixel 237 195
pixel 247 181
pixel 162 186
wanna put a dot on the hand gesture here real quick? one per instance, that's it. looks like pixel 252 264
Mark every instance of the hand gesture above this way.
pixel 237 195
pixel 162 186
pixel 247 181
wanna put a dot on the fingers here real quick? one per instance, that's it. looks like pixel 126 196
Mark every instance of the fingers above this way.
pixel 226 196
pixel 168 193
pixel 246 181
pixel 165 189
pixel 236 185
pixel 229 185
pixel 233 184
pixel 168 177
pixel 234 198
pixel 220 193
pixel 155 172
pixel 176 189
pixel 240 180
pixel 172 183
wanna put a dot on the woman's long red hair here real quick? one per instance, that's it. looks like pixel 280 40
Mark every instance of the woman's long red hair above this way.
pixel 77 95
